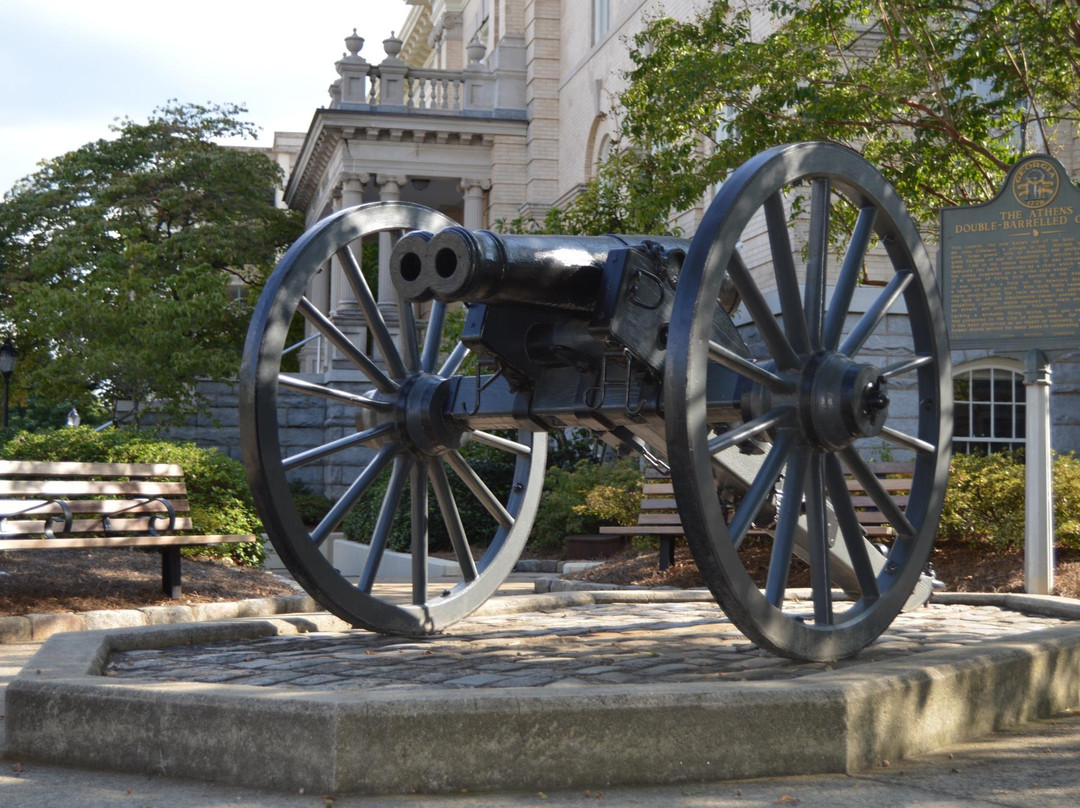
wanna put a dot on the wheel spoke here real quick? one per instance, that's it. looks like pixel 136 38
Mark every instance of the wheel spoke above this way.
pixel 338 512
pixel 873 316
pixel 453 362
pixel 848 279
pixel 786 522
pixel 433 338
pixel 340 341
pixel 507 445
pixel 761 487
pixel 744 367
pixel 319 452
pixel 787 282
pixel 313 389
pixel 901 368
pixel 907 441
pixel 410 348
pixel 761 313
pixel 850 529
pixel 743 432
pixel 376 323
pixel 418 494
pixel 452 518
pixel 479 489
pixel 818 537
pixel 385 521
pixel 876 491
pixel 817 260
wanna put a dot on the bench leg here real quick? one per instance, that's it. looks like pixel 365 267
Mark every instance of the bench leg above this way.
pixel 667 551
pixel 170 571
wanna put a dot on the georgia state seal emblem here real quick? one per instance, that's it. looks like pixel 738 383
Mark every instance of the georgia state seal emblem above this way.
pixel 1035 183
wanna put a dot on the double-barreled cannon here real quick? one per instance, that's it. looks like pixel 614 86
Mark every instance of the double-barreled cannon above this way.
pixel 754 381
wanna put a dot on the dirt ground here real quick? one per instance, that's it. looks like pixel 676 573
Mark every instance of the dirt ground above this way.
pixel 83 580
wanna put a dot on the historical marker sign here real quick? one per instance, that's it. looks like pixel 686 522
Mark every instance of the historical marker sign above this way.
pixel 1011 268
pixel 1011 278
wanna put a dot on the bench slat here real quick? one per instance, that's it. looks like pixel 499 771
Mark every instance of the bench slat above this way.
pixel 120 541
pixel 890 484
pixel 643 530
pixel 45 469
pixel 105 507
pixel 658 518
pixel 90 488
pixel 868 503
pixel 36 527
pixel 658 504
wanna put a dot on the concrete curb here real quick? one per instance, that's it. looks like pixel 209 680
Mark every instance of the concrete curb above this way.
pixel 39 627
pixel 60 709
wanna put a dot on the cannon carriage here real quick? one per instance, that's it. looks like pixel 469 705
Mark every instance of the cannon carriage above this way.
pixel 642 340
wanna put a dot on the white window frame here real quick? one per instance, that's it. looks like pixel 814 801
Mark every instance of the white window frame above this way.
pixel 971 410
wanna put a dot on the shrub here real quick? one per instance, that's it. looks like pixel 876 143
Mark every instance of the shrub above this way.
pixel 311 506
pixel 984 501
pixel 495 468
pixel 580 500
pixel 217 487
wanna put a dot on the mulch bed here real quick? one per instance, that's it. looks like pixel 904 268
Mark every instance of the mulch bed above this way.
pixel 38 581
pixel 962 568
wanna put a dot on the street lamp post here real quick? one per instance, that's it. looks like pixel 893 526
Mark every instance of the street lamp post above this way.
pixel 7 367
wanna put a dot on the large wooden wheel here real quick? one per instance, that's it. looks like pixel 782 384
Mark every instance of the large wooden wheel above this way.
pixel 401 430
pixel 812 404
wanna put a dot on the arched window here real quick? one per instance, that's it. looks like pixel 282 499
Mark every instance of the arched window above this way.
pixel 988 414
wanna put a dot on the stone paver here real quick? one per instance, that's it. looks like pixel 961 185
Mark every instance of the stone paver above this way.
pixel 620 643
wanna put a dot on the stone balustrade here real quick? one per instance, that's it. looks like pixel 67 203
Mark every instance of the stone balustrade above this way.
pixel 423 89
pixel 394 86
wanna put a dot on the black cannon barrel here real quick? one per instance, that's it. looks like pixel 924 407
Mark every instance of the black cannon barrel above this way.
pixel 560 272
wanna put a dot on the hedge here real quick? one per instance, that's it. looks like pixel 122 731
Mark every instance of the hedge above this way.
pixel 984 501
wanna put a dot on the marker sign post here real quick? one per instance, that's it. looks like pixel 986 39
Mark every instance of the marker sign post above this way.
pixel 1011 278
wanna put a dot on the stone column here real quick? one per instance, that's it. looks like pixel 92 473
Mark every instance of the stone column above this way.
pixel 389 191
pixel 352 194
pixel 336 278
pixel 313 354
pixel 473 207
pixel 347 314
pixel 445 38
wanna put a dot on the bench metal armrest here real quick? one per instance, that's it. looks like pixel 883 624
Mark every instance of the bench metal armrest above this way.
pixel 65 511
pixel 170 515
pixel 151 519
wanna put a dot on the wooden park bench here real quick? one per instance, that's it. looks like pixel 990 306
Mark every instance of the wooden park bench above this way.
pixel 659 515
pixel 45 506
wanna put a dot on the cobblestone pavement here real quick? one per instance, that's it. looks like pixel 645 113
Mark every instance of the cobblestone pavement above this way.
pixel 621 643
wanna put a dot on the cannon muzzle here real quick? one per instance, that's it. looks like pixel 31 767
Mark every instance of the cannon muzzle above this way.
pixel 555 272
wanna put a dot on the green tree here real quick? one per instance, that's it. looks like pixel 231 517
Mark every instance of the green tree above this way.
pixel 942 95
pixel 116 259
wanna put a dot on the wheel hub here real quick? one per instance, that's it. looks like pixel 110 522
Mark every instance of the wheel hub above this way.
pixel 422 416
pixel 841 400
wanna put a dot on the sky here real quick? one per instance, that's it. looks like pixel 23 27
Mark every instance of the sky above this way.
pixel 70 68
